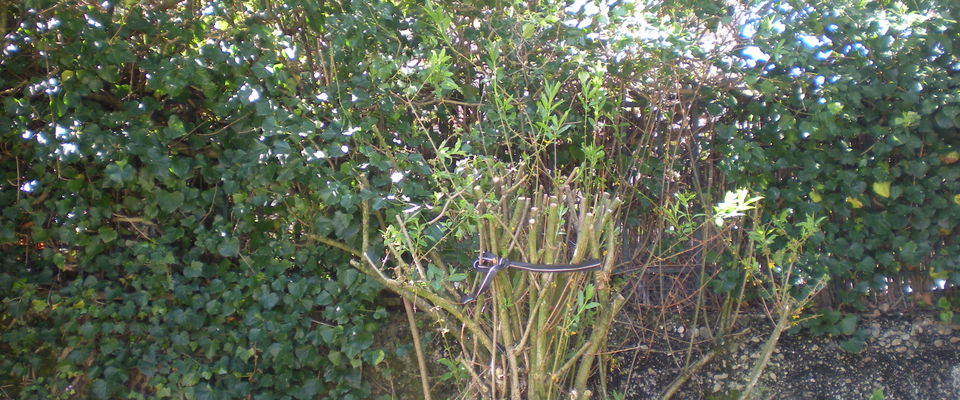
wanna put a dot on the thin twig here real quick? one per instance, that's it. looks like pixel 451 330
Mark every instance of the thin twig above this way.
pixel 687 372
pixel 421 361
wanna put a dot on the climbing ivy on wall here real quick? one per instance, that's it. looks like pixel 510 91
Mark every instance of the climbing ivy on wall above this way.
pixel 853 113
pixel 162 182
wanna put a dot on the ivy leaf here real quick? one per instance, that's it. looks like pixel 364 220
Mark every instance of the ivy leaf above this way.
pixel 848 325
pixel 274 349
pixel 169 201
pixel 324 298
pixel 349 277
pixel 943 120
pixel 311 388
pixel 119 172
pixel 950 157
pixel 298 288
pixel 882 189
pixel 229 247
pixel 379 356
pixel 342 225
pixel 917 168
pixel 88 330
pixel 212 307
pixel 180 166
pixel 195 269
pixel 336 358
pixel 269 300
pixel 37 305
pixel 190 378
pixel 815 197
pixel 853 344
pixel 322 225
pixel 107 234
pixel 174 128
pixel 854 202
pixel 99 389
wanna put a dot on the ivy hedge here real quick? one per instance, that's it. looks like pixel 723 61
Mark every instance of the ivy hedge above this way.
pixel 854 114
pixel 163 185
pixel 181 182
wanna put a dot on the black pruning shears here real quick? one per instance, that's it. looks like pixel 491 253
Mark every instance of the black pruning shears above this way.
pixel 490 263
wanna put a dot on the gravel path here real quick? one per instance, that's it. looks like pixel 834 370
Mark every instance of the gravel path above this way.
pixel 905 358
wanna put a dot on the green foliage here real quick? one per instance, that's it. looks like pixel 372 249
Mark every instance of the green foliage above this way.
pixel 945 307
pixel 183 186
pixel 455 370
pixel 835 323
pixel 162 188
pixel 854 116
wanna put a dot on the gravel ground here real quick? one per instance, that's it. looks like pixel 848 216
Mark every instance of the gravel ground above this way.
pixel 906 357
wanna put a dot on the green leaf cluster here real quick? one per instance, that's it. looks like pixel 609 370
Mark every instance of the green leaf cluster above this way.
pixel 854 116
pixel 164 184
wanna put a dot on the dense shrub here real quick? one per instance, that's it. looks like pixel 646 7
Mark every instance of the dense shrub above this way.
pixel 160 182
pixel 183 186
pixel 853 114
pixel 175 174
